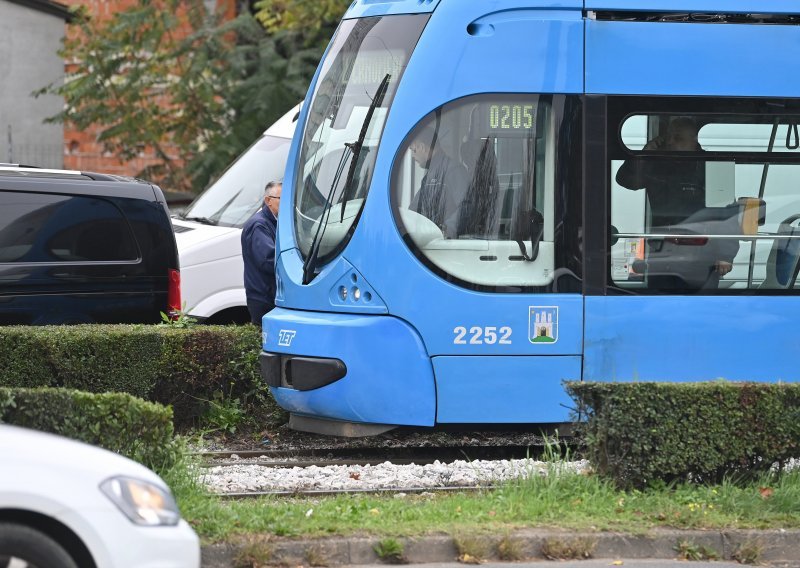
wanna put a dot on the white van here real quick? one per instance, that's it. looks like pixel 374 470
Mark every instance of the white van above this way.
pixel 209 231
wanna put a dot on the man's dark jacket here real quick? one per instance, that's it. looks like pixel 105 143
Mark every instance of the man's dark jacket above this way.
pixel 258 253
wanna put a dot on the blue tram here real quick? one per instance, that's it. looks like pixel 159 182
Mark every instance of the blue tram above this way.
pixel 484 199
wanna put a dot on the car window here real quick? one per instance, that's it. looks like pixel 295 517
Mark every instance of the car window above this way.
pixel 36 227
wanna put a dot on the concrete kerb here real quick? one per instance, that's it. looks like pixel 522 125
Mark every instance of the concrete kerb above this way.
pixel 771 546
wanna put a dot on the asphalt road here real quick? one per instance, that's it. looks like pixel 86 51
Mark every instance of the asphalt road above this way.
pixel 604 563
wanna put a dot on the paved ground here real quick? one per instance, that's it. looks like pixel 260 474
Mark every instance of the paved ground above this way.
pixel 774 547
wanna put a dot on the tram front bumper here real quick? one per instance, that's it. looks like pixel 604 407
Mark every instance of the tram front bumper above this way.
pixel 359 368
pixel 301 373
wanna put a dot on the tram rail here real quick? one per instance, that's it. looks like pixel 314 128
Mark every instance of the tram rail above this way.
pixel 333 492
pixel 371 455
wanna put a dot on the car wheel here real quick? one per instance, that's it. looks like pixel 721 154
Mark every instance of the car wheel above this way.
pixel 24 547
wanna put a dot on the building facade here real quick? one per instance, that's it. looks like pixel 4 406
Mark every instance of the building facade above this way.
pixel 30 36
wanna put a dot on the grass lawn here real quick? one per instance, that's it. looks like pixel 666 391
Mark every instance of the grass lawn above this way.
pixel 584 502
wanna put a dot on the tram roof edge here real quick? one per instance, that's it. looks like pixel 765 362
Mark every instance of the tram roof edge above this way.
pixel 365 8
pixel 698 6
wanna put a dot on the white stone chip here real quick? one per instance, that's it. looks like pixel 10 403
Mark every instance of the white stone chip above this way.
pixel 240 478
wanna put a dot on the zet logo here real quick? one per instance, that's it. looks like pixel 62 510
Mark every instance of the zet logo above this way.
pixel 543 324
pixel 285 337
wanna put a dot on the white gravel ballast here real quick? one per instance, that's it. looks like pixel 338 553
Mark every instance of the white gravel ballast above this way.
pixel 247 478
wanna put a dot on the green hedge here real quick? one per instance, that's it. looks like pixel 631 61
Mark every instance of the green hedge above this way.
pixel 183 367
pixel 119 422
pixel 644 433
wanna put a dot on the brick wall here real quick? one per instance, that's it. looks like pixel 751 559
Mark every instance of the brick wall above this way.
pixel 82 151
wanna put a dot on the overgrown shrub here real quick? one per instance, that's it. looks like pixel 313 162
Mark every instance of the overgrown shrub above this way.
pixel 644 433
pixel 119 422
pixel 211 363
pixel 183 367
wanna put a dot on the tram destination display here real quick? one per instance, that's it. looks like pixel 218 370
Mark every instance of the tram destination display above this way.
pixel 509 118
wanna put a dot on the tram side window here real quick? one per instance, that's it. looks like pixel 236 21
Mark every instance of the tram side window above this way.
pixel 706 203
pixel 473 191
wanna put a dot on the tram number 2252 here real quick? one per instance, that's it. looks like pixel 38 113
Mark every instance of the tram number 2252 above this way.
pixel 488 335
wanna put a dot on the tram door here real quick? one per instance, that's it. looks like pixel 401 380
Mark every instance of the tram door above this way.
pixel 484 205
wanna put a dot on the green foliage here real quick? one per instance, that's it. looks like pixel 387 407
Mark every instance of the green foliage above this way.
pixel 169 76
pixel 510 549
pixel 555 451
pixel 118 422
pixel 316 19
pixel 104 358
pixel 643 434
pixel 224 414
pixel 688 550
pixel 150 76
pixel 255 553
pixel 390 550
pixel 187 368
pixel 472 548
pixel 271 74
pixel 575 503
pixel 201 363
pixel 579 548
pixel 317 556
pixel 178 318
pixel 749 552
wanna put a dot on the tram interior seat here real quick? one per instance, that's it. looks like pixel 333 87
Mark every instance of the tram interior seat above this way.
pixel 421 229
pixel 783 262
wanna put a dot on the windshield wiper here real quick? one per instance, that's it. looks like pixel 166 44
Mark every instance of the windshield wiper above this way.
pixel 351 148
pixel 311 262
pixel 203 220
pixel 357 146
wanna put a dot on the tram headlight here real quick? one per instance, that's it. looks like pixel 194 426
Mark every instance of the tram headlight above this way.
pixel 343 293
pixel 356 294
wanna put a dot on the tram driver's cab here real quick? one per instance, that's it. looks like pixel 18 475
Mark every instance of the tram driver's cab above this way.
pixel 490 176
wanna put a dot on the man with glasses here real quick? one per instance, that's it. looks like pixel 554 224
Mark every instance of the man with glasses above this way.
pixel 258 254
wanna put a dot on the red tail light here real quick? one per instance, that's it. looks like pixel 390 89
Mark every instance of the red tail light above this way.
pixel 174 293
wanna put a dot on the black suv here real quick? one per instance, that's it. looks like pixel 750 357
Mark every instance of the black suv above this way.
pixel 80 247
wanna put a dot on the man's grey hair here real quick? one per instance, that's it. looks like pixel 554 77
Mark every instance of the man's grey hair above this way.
pixel 270 185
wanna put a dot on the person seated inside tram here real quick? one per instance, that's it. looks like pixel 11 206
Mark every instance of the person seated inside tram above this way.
pixel 676 193
pixel 444 185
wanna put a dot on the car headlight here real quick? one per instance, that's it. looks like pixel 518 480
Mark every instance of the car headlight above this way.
pixel 142 502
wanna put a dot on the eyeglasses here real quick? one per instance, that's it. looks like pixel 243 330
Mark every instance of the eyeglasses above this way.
pixel 273 197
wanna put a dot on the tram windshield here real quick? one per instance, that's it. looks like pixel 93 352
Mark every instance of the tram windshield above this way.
pixel 354 92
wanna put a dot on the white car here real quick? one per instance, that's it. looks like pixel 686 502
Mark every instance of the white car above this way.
pixel 65 504
pixel 209 231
